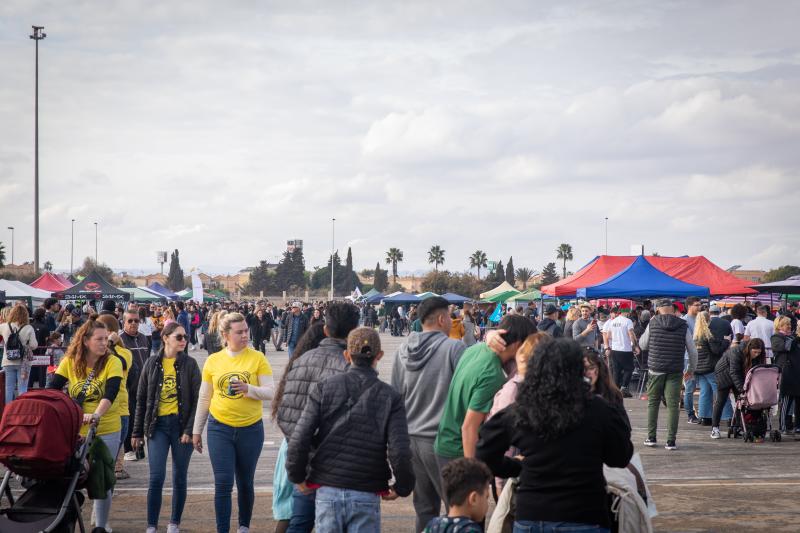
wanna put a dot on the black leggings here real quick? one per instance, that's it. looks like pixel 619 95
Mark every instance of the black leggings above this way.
pixel 622 368
pixel 786 415
pixel 719 404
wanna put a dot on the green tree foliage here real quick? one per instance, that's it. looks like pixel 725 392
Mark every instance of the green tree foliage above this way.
pixel 393 257
pixel 510 271
pixel 464 284
pixel 781 273
pixel 524 275
pixel 349 283
pixel 175 279
pixel 436 257
pixel 342 279
pixel 499 274
pixel 261 280
pixel 478 260
pixel 549 274
pixel 380 278
pixel 564 252
pixel 90 266
pixel 290 272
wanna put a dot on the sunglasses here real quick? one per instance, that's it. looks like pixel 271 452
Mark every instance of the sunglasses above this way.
pixel 180 337
pixel 132 321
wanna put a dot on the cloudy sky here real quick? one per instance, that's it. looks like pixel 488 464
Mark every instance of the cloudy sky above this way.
pixel 225 128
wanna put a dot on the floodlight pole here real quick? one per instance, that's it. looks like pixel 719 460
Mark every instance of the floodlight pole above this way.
pixel 333 245
pixel 12 243
pixel 37 36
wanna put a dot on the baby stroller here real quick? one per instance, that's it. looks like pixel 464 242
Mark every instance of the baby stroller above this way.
pixel 41 443
pixel 751 418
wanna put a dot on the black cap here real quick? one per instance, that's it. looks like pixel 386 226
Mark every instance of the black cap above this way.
pixel 664 302
pixel 550 309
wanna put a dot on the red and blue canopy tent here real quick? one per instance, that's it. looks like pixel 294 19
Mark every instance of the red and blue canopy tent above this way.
pixel 646 276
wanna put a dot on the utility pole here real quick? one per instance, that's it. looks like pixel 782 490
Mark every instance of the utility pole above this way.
pixel 333 245
pixel 12 243
pixel 72 246
pixel 37 36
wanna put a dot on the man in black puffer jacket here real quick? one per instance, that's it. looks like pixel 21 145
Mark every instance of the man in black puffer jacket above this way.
pixel 667 338
pixel 309 369
pixel 355 421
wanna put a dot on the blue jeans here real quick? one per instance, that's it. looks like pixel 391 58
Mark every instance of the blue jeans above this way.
pixel 528 526
pixel 353 511
pixel 166 436
pixel 234 454
pixel 14 381
pixel 123 432
pixel 303 512
pixel 708 389
pixel 688 396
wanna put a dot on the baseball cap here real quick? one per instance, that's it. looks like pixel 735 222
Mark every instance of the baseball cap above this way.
pixel 714 308
pixel 296 304
pixel 550 309
pixel 664 302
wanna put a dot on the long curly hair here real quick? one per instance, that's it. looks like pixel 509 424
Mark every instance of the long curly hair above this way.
pixel 308 341
pixel 77 351
pixel 552 398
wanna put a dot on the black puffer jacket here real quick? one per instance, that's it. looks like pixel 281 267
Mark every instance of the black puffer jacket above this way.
pixel 729 371
pixel 709 352
pixel 352 422
pixel 312 367
pixel 188 379
pixel 786 350
pixel 551 327
pixel 666 344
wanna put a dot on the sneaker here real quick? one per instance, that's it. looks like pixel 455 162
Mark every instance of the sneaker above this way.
pixel 693 419
pixel 243 529
pixel 671 445
pixel 626 393
pixel 130 456
pixel 150 530
pixel 651 443
pixel 173 528
pixel 758 440
pixel 715 433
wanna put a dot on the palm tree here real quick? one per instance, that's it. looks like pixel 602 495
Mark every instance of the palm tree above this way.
pixel 394 256
pixel 48 266
pixel 478 260
pixel 564 252
pixel 436 256
pixel 524 275
pixel 2 255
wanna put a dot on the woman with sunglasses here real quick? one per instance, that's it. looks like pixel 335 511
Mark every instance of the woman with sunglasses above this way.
pixel 168 392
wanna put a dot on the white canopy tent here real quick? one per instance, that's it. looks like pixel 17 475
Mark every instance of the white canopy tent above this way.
pixel 503 287
pixel 16 290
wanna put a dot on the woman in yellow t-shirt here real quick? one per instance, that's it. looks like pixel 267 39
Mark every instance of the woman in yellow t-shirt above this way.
pixel 236 380
pixel 94 378
pixel 165 410
pixel 117 349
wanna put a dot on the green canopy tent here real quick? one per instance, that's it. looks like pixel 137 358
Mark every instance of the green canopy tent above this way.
pixel 527 296
pixel 187 294
pixel 501 297
pixel 426 295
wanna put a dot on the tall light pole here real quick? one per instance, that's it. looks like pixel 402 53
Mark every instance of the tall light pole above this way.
pixel 71 246
pixel 37 36
pixel 333 245
pixel 95 245
pixel 12 243
pixel 606 236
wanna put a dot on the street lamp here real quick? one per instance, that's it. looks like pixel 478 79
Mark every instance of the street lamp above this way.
pixel 12 243
pixel 37 36
pixel 72 246
pixel 333 241
pixel 95 244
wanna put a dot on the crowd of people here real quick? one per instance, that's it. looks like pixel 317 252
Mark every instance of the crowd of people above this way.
pixel 472 400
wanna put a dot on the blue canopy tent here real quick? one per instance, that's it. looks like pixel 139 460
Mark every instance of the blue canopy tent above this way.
pixel 641 280
pixel 375 298
pixel 162 290
pixel 455 299
pixel 402 298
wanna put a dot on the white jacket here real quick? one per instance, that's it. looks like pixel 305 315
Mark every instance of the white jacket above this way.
pixel 27 337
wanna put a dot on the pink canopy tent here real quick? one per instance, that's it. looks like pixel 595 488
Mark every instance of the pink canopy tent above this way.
pixel 51 282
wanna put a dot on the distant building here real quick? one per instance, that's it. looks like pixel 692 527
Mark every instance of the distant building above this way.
pixel 756 276
pixel 25 269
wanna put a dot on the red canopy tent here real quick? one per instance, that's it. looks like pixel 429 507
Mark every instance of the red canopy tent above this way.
pixel 695 270
pixel 51 282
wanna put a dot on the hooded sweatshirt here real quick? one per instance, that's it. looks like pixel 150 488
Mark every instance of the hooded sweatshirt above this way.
pixel 422 371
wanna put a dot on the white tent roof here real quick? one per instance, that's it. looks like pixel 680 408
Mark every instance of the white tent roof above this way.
pixel 503 287
pixel 17 289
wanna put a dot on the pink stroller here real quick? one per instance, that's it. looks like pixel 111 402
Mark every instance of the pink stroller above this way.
pixel 751 418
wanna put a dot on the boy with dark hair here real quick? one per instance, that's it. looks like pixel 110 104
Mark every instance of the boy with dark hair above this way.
pixel 466 483
pixel 353 422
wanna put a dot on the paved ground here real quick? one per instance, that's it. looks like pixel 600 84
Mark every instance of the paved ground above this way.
pixel 704 486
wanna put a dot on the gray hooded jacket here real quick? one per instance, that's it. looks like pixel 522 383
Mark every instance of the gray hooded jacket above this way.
pixel 422 371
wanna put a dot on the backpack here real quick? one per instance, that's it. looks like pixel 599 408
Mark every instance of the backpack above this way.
pixel 39 433
pixel 14 347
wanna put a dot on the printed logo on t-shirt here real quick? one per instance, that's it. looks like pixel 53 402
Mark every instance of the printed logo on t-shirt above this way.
pixel 93 392
pixel 224 384
pixel 169 392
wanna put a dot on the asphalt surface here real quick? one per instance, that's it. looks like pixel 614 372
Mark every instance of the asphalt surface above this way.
pixel 706 485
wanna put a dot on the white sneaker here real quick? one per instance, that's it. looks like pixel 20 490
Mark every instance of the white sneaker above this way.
pixel 151 530
pixel 243 529
pixel 715 433
pixel 130 456
pixel 173 528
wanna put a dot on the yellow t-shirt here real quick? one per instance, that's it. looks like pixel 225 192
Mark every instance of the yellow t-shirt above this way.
pixel 168 402
pixel 235 410
pixel 121 402
pixel 109 422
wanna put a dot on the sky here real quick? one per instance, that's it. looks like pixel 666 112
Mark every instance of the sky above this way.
pixel 224 129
